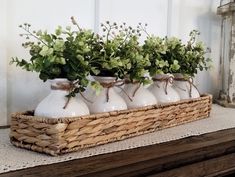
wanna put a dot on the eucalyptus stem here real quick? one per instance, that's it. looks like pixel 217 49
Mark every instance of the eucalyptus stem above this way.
pixel 75 23
pixel 143 29
pixel 31 34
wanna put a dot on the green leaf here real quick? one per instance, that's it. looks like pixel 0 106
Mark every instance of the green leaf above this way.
pixel 39 33
pixel 46 51
pixel 43 76
pixel 59 45
pixel 55 71
pixel 68 28
pixel 60 60
pixel 80 57
pixel 159 71
pixel 84 82
pixel 96 86
pixel 95 71
pixel 58 31
pixel 81 43
pixel 128 65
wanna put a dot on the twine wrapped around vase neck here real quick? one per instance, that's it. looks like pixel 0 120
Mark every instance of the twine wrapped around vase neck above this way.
pixel 167 80
pixel 127 81
pixel 117 84
pixel 191 84
pixel 69 87
pixel 61 86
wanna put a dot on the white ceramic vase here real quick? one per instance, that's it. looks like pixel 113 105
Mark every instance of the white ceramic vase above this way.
pixel 183 87
pixel 163 90
pixel 53 105
pixel 108 99
pixel 136 95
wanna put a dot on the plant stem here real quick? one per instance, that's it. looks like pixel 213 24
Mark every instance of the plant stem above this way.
pixel 31 34
pixel 76 24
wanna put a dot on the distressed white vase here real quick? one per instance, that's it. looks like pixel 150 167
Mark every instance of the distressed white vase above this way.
pixel 163 90
pixel 108 99
pixel 53 105
pixel 183 88
pixel 136 95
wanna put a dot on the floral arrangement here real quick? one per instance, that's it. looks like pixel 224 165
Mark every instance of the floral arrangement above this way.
pixel 75 54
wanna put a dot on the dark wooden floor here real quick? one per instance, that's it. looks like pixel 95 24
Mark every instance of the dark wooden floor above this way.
pixel 208 155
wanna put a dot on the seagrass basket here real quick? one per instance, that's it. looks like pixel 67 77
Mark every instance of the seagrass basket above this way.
pixel 63 135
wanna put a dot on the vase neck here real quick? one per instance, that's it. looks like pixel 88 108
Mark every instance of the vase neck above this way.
pixel 61 84
pixel 163 79
pixel 162 76
pixel 104 79
pixel 162 83
pixel 133 85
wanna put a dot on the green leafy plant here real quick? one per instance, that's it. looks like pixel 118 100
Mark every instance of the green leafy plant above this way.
pixel 105 60
pixel 74 54
pixel 62 54
pixel 164 54
pixel 171 55
pixel 194 56
pixel 119 54
pixel 131 53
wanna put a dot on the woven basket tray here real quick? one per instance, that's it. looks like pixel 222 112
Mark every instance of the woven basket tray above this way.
pixel 63 135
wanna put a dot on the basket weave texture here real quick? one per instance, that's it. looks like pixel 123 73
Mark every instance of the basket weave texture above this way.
pixel 63 135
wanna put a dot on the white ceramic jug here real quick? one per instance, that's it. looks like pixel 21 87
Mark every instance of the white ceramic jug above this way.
pixel 53 105
pixel 136 95
pixel 162 89
pixel 108 99
pixel 185 88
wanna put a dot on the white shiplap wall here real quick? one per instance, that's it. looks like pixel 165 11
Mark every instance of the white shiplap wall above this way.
pixel 20 90
pixel 3 63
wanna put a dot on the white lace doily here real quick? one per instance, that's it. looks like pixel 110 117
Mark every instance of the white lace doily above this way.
pixel 12 158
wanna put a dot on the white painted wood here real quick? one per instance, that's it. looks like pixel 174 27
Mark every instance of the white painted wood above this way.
pixel 3 63
pixel 152 12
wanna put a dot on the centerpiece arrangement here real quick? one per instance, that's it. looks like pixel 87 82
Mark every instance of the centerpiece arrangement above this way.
pixel 116 60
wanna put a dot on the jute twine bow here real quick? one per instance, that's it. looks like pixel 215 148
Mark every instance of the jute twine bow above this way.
pixel 117 84
pixel 69 86
pixel 167 80
pixel 191 85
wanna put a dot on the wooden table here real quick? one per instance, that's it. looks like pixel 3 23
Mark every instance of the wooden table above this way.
pixel 208 155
